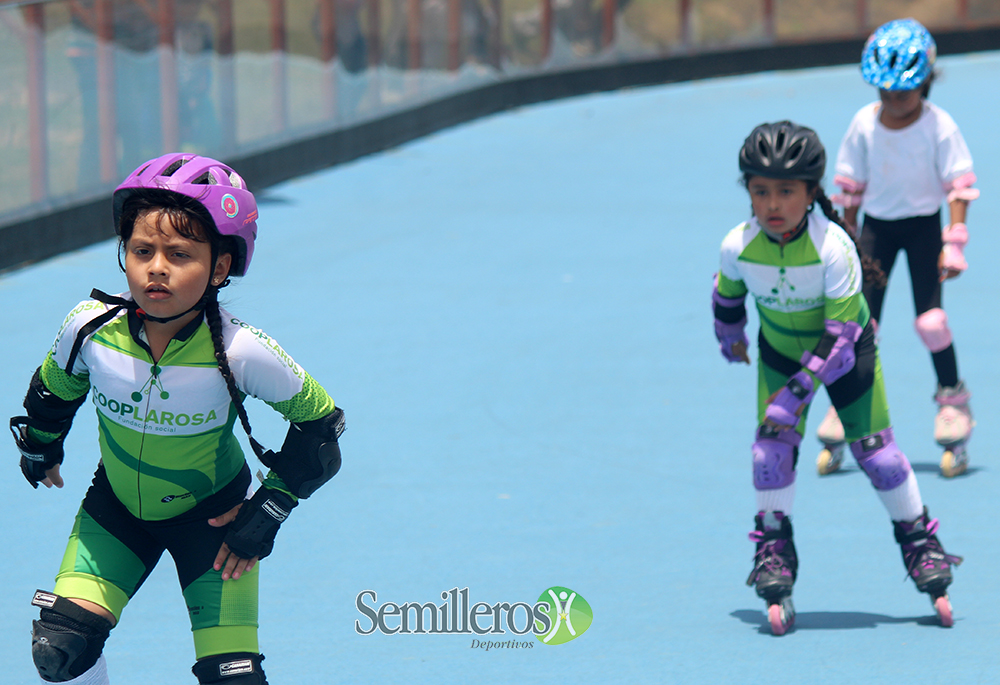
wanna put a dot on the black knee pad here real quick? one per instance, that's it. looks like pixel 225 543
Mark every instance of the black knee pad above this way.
pixel 67 640
pixel 237 668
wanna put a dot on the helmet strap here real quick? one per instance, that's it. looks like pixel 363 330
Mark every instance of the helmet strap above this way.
pixel 787 237
pixel 798 229
pixel 130 305
pixel 198 306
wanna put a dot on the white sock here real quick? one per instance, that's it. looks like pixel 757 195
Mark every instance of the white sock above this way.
pixel 96 675
pixel 777 500
pixel 903 502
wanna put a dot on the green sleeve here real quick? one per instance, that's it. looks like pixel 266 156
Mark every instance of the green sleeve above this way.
pixel 64 386
pixel 851 308
pixel 311 403
pixel 730 288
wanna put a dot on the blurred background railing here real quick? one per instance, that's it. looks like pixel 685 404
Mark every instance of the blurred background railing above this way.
pixel 91 88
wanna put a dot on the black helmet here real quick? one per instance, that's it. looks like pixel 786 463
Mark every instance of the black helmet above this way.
pixel 783 150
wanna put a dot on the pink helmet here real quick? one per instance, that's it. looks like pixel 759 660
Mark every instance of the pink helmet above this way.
pixel 218 188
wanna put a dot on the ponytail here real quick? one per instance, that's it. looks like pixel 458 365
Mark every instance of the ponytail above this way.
pixel 871 270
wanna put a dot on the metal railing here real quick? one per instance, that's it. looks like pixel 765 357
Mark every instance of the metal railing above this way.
pixel 90 88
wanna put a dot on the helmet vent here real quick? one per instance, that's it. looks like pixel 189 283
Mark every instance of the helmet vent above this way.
pixel 794 153
pixel 169 171
pixel 762 148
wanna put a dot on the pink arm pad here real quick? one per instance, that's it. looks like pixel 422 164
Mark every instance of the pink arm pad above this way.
pixel 852 194
pixel 961 188
pixel 954 237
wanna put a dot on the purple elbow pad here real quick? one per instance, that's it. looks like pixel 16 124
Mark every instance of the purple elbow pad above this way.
pixel 798 391
pixel 841 358
pixel 729 333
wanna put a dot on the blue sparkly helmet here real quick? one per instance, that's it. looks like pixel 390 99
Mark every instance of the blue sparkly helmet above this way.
pixel 898 56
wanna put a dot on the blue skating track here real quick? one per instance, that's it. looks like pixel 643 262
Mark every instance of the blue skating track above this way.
pixel 515 315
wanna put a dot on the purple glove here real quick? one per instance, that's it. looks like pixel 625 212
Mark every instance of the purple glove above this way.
pixel 798 391
pixel 730 333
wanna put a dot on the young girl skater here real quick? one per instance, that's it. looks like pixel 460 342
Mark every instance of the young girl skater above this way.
pixel 901 158
pixel 167 370
pixel 805 274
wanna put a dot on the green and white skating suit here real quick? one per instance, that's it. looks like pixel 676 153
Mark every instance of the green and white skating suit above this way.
pixel 797 286
pixel 166 428
pixel 170 461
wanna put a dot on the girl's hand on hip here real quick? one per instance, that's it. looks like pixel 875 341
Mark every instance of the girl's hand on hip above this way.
pixel 231 565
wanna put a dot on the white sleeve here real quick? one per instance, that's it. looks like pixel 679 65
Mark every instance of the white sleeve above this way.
pixel 260 367
pixel 842 276
pixel 954 158
pixel 62 347
pixel 732 246
pixel 852 158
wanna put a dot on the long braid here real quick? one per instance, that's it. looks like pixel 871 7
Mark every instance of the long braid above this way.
pixel 214 320
pixel 871 269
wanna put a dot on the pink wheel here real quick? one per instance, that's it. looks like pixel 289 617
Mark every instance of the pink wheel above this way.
pixel 776 615
pixel 943 608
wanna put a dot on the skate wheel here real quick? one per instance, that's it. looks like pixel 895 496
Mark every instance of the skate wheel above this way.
pixel 780 616
pixel 827 462
pixel 952 464
pixel 774 613
pixel 943 608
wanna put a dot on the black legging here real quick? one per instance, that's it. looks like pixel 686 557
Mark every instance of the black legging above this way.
pixel 920 236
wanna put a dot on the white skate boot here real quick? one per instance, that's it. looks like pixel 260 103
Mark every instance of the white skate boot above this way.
pixel 953 427
pixel 831 434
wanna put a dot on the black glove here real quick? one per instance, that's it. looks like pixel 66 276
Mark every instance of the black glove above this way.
pixel 251 534
pixel 36 458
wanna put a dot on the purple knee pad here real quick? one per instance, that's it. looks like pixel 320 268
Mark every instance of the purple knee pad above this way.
pixel 881 459
pixel 774 455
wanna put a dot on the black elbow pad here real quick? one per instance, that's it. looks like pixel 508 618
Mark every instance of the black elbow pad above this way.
pixel 310 455
pixel 47 411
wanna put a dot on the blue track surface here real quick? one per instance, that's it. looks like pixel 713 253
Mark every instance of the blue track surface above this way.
pixel 515 315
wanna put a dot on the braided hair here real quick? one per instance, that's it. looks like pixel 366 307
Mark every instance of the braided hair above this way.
pixel 213 317
pixel 871 269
